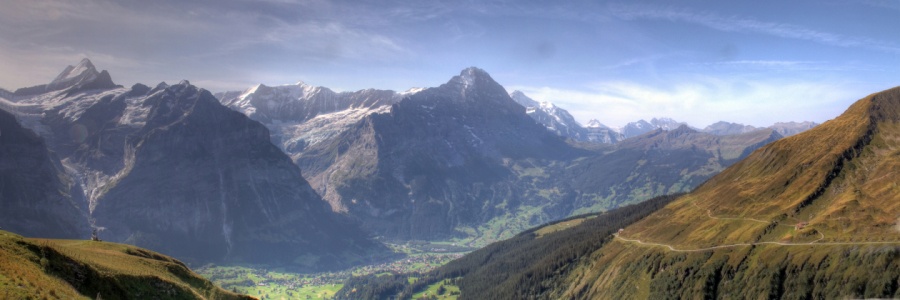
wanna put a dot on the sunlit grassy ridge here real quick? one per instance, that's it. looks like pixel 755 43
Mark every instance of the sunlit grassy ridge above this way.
pixel 840 177
pixel 79 269
pixel 839 180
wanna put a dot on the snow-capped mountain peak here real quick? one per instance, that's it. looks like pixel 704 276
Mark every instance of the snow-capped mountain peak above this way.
pixel 83 71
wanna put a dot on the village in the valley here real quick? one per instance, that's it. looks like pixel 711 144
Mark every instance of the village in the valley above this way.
pixel 279 284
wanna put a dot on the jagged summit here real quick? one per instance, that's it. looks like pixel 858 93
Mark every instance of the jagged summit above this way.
pixel 84 70
pixel 472 79
pixel 83 76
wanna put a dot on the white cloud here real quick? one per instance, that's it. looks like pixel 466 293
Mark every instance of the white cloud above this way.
pixel 701 101
pixel 747 25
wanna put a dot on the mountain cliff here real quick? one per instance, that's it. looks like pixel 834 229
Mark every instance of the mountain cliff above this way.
pixel 37 197
pixel 171 169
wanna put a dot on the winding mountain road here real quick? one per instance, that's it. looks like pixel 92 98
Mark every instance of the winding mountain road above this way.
pixel 709 213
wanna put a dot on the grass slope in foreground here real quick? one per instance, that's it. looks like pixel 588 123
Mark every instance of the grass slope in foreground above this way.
pixel 81 269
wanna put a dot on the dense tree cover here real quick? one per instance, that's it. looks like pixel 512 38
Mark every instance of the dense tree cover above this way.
pixel 523 267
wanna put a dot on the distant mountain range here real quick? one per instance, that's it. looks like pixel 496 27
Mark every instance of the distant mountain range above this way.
pixel 559 120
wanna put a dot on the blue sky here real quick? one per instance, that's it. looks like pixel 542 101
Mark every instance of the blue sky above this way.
pixel 751 62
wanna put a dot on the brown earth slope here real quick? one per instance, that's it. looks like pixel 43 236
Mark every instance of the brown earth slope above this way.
pixel 811 216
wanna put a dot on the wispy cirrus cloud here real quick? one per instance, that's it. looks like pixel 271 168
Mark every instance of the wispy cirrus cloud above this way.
pixel 747 25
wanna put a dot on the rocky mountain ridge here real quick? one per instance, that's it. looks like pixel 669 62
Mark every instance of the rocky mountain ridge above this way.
pixel 300 115
pixel 171 169
pixel 465 159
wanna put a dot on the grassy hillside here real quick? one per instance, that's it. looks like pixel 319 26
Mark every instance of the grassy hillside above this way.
pixel 811 216
pixel 81 269
pixel 839 177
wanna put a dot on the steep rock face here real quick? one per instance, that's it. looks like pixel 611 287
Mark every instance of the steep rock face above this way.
pixel 37 197
pixel 441 158
pixel 792 128
pixel 171 169
pixel 556 119
pixel 229 193
pixel 301 115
